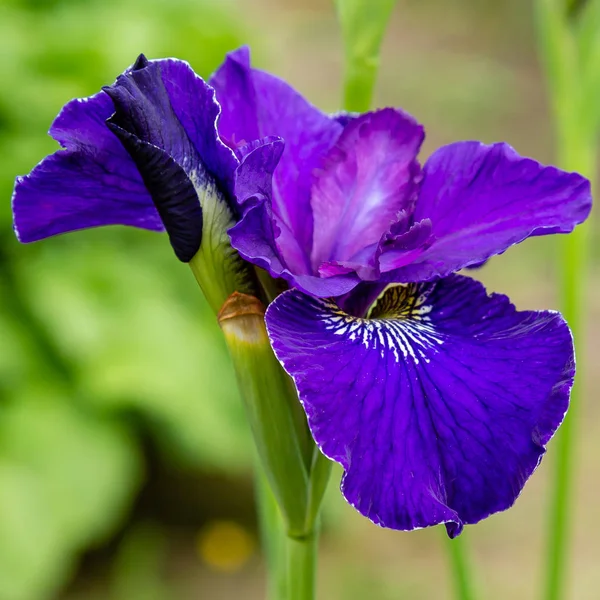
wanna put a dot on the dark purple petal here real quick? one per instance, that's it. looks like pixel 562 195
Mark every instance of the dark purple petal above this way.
pixel 438 407
pixel 165 117
pixel 367 179
pixel 344 118
pixel 143 109
pixel 483 199
pixel 164 123
pixel 172 191
pixel 91 183
pixel 163 102
pixel 256 104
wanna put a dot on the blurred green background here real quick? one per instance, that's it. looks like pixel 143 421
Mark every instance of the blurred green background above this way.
pixel 124 454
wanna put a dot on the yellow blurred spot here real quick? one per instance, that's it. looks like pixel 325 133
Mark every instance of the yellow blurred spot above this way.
pixel 225 546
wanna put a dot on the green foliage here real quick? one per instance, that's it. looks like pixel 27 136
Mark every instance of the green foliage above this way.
pixel 100 325
pixel 65 478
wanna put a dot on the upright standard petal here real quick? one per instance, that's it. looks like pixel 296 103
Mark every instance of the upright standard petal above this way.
pixel 92 182
pixel 438 406
pixel 367 179
pixel 195 105
pixel 257 104
pixel 483 199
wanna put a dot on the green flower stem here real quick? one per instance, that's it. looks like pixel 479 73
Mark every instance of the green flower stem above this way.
pixel 217 267
pixel 363 25
pixel 272 537
pixel 301 566
pixel 291 484
pixel 292 478
pixel 320 473
pixel 573 278
pixel 461 571
pixel 569 47
pixel 265 390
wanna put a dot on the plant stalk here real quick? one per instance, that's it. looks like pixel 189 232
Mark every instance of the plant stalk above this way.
pixel 273 537
pixel 573 256
pixel 569 48
pixel 461 568
pixel 301 566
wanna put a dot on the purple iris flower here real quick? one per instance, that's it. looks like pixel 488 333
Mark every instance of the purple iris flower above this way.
pixel 436 398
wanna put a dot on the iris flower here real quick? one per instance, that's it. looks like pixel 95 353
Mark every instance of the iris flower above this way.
pixel 436 398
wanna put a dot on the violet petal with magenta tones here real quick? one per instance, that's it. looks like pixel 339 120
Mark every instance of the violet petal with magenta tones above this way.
pixel 438 406
pixel 256 104
pixel 350 203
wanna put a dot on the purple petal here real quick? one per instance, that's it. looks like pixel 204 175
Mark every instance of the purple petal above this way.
pixel 195 105
pixel 234 85
pixel 255 105
pixel 165 117
pixel 172 191
pixel 393 251
pixel 438 407
pixel 92 182
pixel 401 249
pixel 368 178
pixel 483 199
pixel 143 109
pixel 256 236
pixel 358 302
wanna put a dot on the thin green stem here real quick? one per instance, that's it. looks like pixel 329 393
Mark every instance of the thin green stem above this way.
pixel 272 536
pixel 319 479
pixel 461 571
pixel 363 24
pixel 572 276
pixel 301 566
pixel 569 51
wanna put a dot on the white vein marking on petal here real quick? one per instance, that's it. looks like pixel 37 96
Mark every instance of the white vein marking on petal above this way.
pixel 405 329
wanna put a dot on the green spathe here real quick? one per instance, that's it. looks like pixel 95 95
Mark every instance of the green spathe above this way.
pixel 218 268
pixel 269 404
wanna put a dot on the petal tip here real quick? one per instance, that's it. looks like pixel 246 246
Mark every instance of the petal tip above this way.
pixel 141 62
